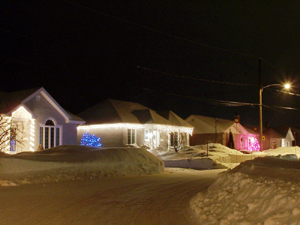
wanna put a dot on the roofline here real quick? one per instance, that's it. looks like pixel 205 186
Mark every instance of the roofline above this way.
pixel 51 101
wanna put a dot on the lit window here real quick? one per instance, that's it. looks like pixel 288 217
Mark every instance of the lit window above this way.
pixel 49 134
pixel 146 135
pixel 131 136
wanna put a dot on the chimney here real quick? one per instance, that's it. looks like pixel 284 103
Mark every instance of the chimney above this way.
pixel 236 118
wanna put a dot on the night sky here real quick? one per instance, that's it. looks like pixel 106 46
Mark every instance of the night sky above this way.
pixel 191 57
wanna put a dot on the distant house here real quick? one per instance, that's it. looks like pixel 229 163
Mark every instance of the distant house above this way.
pixel 296 133
pixel 35 121
pixel 226 132
pixel 120 123
pixel 278 137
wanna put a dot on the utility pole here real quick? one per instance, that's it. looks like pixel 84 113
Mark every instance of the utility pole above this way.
pixel 260 106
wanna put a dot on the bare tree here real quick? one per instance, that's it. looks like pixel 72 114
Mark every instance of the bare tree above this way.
pixel 11 133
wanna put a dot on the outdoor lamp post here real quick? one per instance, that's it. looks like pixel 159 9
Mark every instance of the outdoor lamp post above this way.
pixel 286 86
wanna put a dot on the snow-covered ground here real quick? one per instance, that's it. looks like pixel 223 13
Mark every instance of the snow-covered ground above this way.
pixel 265 190
pixel 211 156
pixel 259 188
pixel 72 162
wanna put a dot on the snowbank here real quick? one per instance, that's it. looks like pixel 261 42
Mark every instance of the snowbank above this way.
pixel 265 190
pixel 211 156
pixel 76 162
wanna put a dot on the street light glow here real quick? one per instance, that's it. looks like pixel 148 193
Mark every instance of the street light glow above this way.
pixel 287 86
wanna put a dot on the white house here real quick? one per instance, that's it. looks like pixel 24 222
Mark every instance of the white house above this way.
pixel 32 120
pixel 278 137
pixel 120 123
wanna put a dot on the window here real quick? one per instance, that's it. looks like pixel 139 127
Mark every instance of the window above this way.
pixel 49 134
pixel 183 140
pixel 174 138
pixel 13 139
pixel 131 136
pixel 146 135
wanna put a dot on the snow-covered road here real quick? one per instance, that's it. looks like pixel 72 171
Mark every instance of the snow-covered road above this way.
pixel 155 199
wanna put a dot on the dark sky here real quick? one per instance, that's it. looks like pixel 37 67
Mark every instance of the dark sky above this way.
pixel 184 56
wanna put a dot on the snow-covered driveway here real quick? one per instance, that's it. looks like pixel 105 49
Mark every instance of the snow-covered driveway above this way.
pixel 154 199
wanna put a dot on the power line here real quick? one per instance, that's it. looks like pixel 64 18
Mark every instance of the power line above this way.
pixel 172 35
pixel 220 102
pixel 191 78
pixel 161 32
pixel 211 101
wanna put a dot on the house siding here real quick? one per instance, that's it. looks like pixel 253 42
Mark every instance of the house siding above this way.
pixel 44 110
pixel 110 137
pixel 200 139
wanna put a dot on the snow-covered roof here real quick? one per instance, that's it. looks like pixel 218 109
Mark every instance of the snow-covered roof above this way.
pixel 281 132
pixel 205 124
pixel 251 128
pixel 10 101
pixel 174 118
pixel 117 111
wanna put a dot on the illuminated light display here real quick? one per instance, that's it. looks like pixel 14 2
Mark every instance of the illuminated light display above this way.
pixel 32 134
pixel 6 143
pixel 253 144
pixel 21 108
pixel 90 140
pixel 172 129
pixel 21 112
pixel 166 128
pixel 113 125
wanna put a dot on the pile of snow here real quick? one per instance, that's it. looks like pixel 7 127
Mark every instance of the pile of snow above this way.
pixel 211 156
pixel 76 162
pixel 281 151
pixel 265 190
pixel 210 150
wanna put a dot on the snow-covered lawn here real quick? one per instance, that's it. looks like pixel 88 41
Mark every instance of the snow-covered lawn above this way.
pixel 265 190
pixel 211 156
pixel 72 162
pixel 259 188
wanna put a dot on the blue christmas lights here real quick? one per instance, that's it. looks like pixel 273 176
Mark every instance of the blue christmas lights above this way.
pixel 90 140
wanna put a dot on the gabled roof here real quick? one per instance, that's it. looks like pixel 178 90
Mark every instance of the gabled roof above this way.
pixel 205 124
pixel 10 101
pixel 281 131
pixel 116 111
pixel 174 118
pixel 252 129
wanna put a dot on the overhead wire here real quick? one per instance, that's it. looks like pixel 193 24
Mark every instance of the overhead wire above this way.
pixel 191 78
pixel 172 35
pixel 212 101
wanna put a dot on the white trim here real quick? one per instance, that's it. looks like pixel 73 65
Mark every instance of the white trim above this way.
pixel 51 118
pixel 48 97
pixel 56 105
pixel 43 125
pixel 79 122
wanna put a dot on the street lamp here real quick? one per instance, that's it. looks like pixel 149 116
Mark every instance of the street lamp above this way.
pixel 285 86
